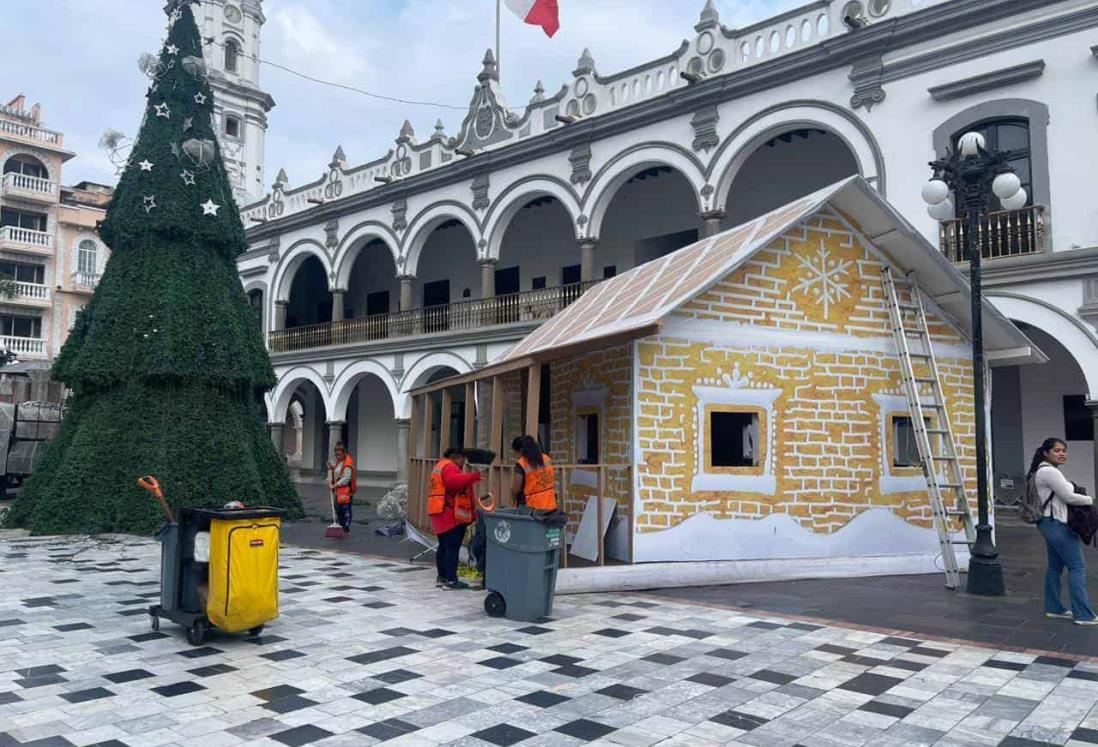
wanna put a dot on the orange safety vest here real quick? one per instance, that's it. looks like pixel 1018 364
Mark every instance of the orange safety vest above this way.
pixel 344 493
pixel 538 485
pixel 436 490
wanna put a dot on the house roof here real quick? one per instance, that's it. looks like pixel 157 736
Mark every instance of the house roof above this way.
pixel 633 304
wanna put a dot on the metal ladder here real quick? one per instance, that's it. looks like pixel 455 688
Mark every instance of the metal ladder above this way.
pixel 935 442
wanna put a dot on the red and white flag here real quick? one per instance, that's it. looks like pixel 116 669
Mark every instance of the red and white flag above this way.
pixel 542 13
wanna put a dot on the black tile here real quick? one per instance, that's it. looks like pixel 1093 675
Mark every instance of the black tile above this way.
pixel 384 654
pixel 830 648
pixel 711 679
pixel 301 735
pixel 697 635
pixel 48 742
pixel 388 729
pixel 769 675
pixel 629 617
pixel 179 688
pixel 8 697
pixel 47 679
pixel 134 612
pixel 1012 666
pixel 264 640
pixel 82 696
pixel 379 695
pixel 396 676
pixel 372 588
pixel 561 660
pixel 1020 742
pixel 147 637
pixel 283 655
pixel 737 720
pixel 574 670
pixel 534 630
pixel 212 670
pixel 1085 735
pixel 905 642
pixel 1079 674
pixel 11 621
pixel 585 729
pixel 805 626
pixel 377 605
pixel 726 653
pixel 666 659
pixel 72 626
pixel 1055 661
pixel 662 630
pixel 40 671
pixel 109 743
pixel 338 599
pixel 130 675
pixel 198 653
pixel 764 625
pixel 911 666
pixel 398 632
pixel 500 662
pixel 274 693
pixel 885 709
pixel 612 633
pixel 870 684
pixel 507 648
pixel 644 605
pixel 39 602
pixel 622 692
pixel 543 699
pixel 503 735
pixel 288 704
pixel 937 653
pixel 436 633
pixel 865 661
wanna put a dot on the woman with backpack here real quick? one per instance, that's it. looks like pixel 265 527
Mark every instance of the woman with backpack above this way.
pixel 1065 550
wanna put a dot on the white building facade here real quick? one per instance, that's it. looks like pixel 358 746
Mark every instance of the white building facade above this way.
pixel 438 256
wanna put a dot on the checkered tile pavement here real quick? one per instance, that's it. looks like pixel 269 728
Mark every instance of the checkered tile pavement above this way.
pixel 368 652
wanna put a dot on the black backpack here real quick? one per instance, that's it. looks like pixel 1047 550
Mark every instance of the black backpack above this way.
pixel 1083 520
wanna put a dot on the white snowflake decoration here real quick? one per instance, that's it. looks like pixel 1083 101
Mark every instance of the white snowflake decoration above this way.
pixel 823 277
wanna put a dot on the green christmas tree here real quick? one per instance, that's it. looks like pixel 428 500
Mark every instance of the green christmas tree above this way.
pixel 166 364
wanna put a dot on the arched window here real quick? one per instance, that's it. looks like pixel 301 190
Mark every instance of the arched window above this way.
pixel 87 259
pixel 255 300
pixel 26 165
pixel 1006 134
pixel 232 126
pixel 232 54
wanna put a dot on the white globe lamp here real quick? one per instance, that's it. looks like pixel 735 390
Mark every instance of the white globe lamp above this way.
pixel 1017 201
pixel 1006 185
pixel 935 191
pixel 942 211
pixel 970 144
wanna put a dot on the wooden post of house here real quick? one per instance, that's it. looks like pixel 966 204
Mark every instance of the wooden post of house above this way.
pixel 415 496
pixel 533 399
pixel 600 470
pixel 469 434
pixel 495 439
pixel 444 422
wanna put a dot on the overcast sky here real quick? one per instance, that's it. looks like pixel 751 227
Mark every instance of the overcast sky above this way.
pixel 79 59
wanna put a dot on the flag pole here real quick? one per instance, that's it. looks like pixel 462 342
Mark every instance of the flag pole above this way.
pixel 499 6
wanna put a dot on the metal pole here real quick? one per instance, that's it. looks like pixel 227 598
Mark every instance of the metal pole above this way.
pixel 499 62
pixel 985 574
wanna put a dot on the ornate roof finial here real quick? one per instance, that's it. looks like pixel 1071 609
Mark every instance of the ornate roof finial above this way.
pixel 338 158
pixel 440 131
pixel 539 93
pixel 586 63
pixel 491 69
pixel 710 17
pixel 407 134
pixel 281 179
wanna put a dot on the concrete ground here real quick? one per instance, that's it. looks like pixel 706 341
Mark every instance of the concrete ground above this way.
pixel 367 651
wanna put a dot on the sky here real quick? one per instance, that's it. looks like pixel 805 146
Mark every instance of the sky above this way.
pixel 78 58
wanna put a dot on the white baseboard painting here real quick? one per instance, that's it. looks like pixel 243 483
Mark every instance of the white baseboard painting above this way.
pixel 876 531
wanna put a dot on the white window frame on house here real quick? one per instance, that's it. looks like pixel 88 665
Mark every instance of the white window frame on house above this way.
pixel 739 395
pixel 895 479
pixel 750 447
pixel 82 253
pixel 7 321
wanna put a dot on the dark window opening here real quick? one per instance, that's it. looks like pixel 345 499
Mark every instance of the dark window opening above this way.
pixel 1078 421
pixel 609 271
pixel 377 303
pixel 570 275
pixel 905 449
pixel 232 53
pixel 1006 135
pixel 21 326
pixel 732 438
pixel 22 219
pixel 232 126
pixel 25 165
pixel 507 281
pixel 436 302
pixel 588 439
pixel 22 273
pixel 537 283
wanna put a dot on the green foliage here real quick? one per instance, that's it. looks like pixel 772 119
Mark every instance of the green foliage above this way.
pixel 166 363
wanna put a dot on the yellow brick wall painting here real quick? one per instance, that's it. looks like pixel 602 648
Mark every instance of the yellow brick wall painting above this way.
pixel 601 383
pixel 824 378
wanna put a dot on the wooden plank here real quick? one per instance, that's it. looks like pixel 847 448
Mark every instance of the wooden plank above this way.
pixel 413 432
pixel 533 399
pixel 599 514
pixel 427 409
pixel 470 435
pixel 495 437
pixel 444 421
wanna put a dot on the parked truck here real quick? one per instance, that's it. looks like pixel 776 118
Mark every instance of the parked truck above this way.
pixel 25 430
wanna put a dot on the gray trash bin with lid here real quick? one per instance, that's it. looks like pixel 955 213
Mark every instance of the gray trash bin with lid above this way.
pixel 521 573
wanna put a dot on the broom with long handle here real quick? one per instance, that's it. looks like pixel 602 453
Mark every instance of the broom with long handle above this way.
pixel 334 530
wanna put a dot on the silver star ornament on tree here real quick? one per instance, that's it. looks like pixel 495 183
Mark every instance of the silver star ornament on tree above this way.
pixel 162 110
pixel 187 177
pixel 146 165
pixel 200 98
pixel 149 203
pixel 209 207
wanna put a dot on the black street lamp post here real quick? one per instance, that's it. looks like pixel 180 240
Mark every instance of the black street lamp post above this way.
pixel 970 174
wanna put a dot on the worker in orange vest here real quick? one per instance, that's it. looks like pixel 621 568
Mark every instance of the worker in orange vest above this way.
pixel 343 482
pixel 451 506
pixel 533 481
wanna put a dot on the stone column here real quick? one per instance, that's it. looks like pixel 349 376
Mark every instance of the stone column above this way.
pixel 406 291
pixel 276 436
pixel 279 321
pixel 587 259
pixel 404 427
pixel 712 220
pixel 337 305
pixel 488 278
pixel 39 385
pixel 335 435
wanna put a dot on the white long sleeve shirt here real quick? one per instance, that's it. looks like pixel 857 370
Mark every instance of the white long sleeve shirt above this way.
pixel 1051 481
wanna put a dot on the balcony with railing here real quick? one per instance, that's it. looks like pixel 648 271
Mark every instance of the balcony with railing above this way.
pixel 1006 233
pixel 32 293
pixel 24 347
pixel 29 187
pixel 32 133
pixel 26 239
pixel 85 282
pixel 515 308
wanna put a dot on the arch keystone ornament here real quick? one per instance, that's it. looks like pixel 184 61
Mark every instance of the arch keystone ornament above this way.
pixel 167 354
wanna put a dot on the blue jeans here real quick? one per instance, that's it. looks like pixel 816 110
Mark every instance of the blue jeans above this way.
pixel 1065 550
pixel 343 515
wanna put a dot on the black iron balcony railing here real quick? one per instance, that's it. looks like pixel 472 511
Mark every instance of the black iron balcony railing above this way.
pixel 528 306
pixel 1007 233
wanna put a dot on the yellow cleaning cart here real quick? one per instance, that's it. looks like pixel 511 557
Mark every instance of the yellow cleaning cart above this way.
pixel 218 567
